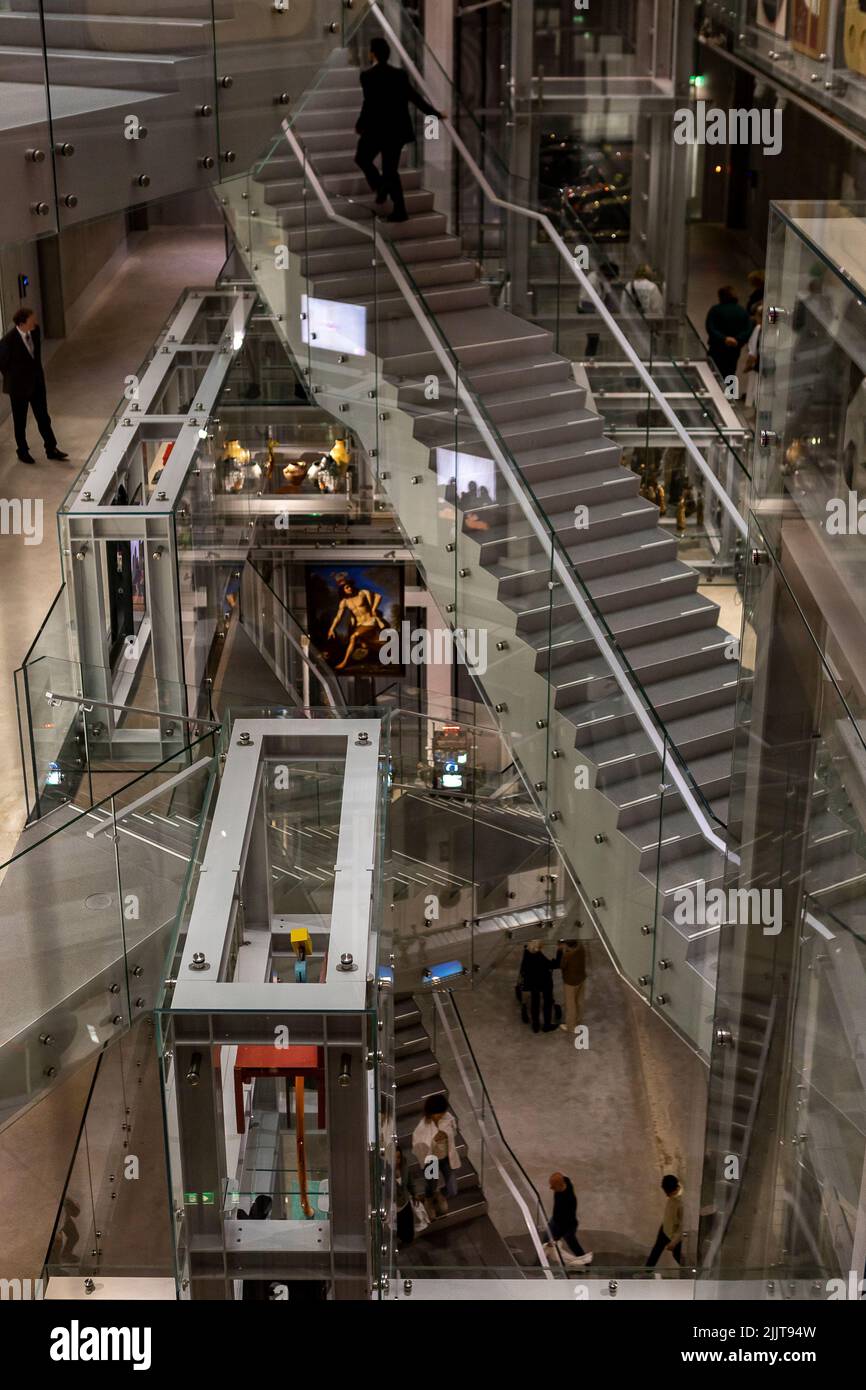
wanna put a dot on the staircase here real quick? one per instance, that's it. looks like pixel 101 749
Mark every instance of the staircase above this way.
pixel 628 564
pixel 618 821
pixel 479 1244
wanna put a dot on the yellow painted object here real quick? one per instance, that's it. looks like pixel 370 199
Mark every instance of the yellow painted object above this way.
pixel 299 936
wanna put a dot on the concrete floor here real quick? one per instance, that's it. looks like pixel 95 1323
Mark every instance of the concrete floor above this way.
pixel 85 381
pixel 614 1117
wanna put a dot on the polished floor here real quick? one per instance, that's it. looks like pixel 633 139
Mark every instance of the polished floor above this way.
pixel 85 381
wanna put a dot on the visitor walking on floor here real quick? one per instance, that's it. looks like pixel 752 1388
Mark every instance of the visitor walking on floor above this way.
pixel 670 1236
pixel 563 1221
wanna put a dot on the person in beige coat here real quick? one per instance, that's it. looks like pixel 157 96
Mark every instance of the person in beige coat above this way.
pixel 434 1144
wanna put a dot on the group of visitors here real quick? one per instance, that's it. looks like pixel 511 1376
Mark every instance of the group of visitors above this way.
pixel 731 326
pixel 536 980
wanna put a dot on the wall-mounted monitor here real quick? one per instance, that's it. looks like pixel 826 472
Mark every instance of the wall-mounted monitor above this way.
pixel 334 326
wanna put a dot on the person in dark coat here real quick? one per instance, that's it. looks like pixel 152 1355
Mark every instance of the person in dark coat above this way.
pixel 563 1221
pixel 728 330
pixel 536 976
pixel 24 382
pixel 385 126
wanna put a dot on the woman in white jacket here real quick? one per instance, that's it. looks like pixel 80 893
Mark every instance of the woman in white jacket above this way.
pixel 434 1144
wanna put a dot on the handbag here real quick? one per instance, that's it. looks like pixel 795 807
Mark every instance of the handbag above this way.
pixel 419 1211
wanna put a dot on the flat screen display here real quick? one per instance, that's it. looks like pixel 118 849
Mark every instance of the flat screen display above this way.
pixel 467 479
pixel 334 326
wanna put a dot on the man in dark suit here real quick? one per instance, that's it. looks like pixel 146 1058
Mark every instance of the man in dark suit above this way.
pixel 24 382
pixel 385 126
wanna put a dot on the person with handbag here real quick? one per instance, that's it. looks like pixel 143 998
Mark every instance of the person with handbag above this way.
pixel 434 1143
pixel 563 1221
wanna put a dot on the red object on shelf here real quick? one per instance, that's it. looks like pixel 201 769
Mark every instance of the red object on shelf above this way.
pixel 287 1062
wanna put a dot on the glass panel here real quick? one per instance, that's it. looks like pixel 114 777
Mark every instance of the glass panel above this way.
pixel 26 147
pixel 132 103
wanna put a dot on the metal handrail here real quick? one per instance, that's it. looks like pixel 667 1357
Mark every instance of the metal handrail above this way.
pixel 310 659
pixel 556 240
pixel 519 491
pixel 500 1166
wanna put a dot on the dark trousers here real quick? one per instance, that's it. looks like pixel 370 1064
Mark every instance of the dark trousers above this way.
pixel 388 182
pixel 39 405
pixel 660 1245
pixel 536 997
pixel 570 1238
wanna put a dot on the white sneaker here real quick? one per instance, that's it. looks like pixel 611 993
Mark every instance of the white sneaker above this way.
pixel 585 1259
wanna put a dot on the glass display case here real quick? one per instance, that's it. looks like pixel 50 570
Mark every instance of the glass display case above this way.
pixel 810 463
pixel 277 1081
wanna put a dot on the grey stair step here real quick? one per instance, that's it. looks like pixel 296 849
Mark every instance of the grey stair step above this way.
pixel 524 401
pixel 410 1038
pixel 480 336
pixel 637 795
pixel 679 831
pixel 356 283
pixel 520 435
pixel 466 1206
pixel 629 626
pixel 328 261
pixel 618 744
pixel 524 585
pixel 649 660
pixel 410 1097
pixel 328 235
pixel 706 864
pixel 281 189
pixel 149 72
pixel 106 33
pixel 558 497
pixel 340 116
pixel 297 215
pixel 496 377
pixel 418 1066
pixel 439 299
pixel 183 9
pixel 406 1013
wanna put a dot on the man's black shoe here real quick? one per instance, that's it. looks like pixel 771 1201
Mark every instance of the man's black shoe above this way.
pixel 57 454
pixel 381 197
pixel 26 457
pixel 397 217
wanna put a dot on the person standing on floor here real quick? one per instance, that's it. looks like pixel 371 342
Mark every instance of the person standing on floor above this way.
pixel 536 975
pixel 434 1144
pixel 24 383
pixel 563 1221
pixel 756 290
pixel 728 330
pixel 571 960
pixel 385 126
pixel 670 1236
